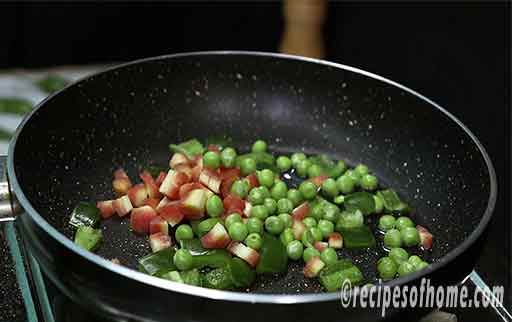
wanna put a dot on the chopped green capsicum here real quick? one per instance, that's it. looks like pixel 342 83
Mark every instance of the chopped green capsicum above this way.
pixel 219 278
pixel 190 148
pixel 333 281
pixel 360 237
pixel 362 201
pixel 392 202
pixel 192 277
pixel 194 246
pixel 174 276
pixel 158 263
pixel 328 166
pixel 216 258
pixel 88 237
pixel 242 274
pixel 273 256
pixel 85 214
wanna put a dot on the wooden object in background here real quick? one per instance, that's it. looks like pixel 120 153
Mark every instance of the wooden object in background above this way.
pixel 303 31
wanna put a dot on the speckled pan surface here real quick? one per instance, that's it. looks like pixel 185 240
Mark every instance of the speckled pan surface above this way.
pixel 126 117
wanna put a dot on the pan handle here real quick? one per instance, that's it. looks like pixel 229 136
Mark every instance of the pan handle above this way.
pixel 9 205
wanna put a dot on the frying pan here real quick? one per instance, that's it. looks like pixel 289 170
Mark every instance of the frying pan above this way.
pixel 66 150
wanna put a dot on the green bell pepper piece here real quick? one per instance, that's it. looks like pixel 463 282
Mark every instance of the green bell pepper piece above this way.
pixel 174 276
pixel 273 256
pixel 190 148
pixel 392 202
pixel 194 246
pixel 195 226
pixel 360 200
pixel 88 237
pixel 217 258
pixel 339 265
pixel 158 263
pixel 52 83
pixel 361 237
pixel 15 105
pixel 219 278
pixel 84 214
pixel 192 277
pixel 242 274
pixel 334 280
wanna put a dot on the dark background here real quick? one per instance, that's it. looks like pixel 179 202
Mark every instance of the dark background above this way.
pixel 457 54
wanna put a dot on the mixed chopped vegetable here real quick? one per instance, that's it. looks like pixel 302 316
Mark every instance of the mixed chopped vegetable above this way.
pixel 218 219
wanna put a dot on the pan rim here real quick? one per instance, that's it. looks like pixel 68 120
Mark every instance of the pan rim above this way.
pixel 239 296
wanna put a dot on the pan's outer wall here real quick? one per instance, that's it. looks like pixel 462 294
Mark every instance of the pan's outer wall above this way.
pixel 127 116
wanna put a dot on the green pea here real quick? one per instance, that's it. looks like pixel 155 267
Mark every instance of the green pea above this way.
pixel 240 188
pixel 354 175
pixel 211 160
pixel 295 197
pixel 271 205
pixel 238 231
pixel 206 225
pixel 387 268
pixel 256 197
pixel 254 241
pixel 259 146
pixel 183 232
pixel 361 169
pixel 314 171
pixel 279 190
pixel 302 168
pixel 329 256
pixel 264 191
pixel 283 163
pixel 386 222
pixel 287 220
pixel 329 188
pixel 317 233
pixel 266 178
pixel 369 182
pixel 231 219
pixel 309 222
pixel 308 190
pixel 415 260
pixel 297 157
pixel 326 227
pixel 403 222
pixel 287 236
pixel 398 254
pixel 392 238
pixel 421 266
pixel 274 225
pixel 254 225
pixel 331 212
pixel 345 184
pixel 405 268
pixel 309 253
pixel 284 206
pixel 183 259
pixel 247 166
pixel 294 250
pixel 379 204
pixel 410 236
pixel 228 157
pixel 307 238
pixel 214 206
pixel 339 169
pixel 317 211
pixel 259 211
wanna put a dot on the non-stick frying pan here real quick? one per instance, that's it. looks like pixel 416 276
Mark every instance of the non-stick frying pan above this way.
pixel 66 150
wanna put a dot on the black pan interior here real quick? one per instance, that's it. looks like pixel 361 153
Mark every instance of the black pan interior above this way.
pixel 126 118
